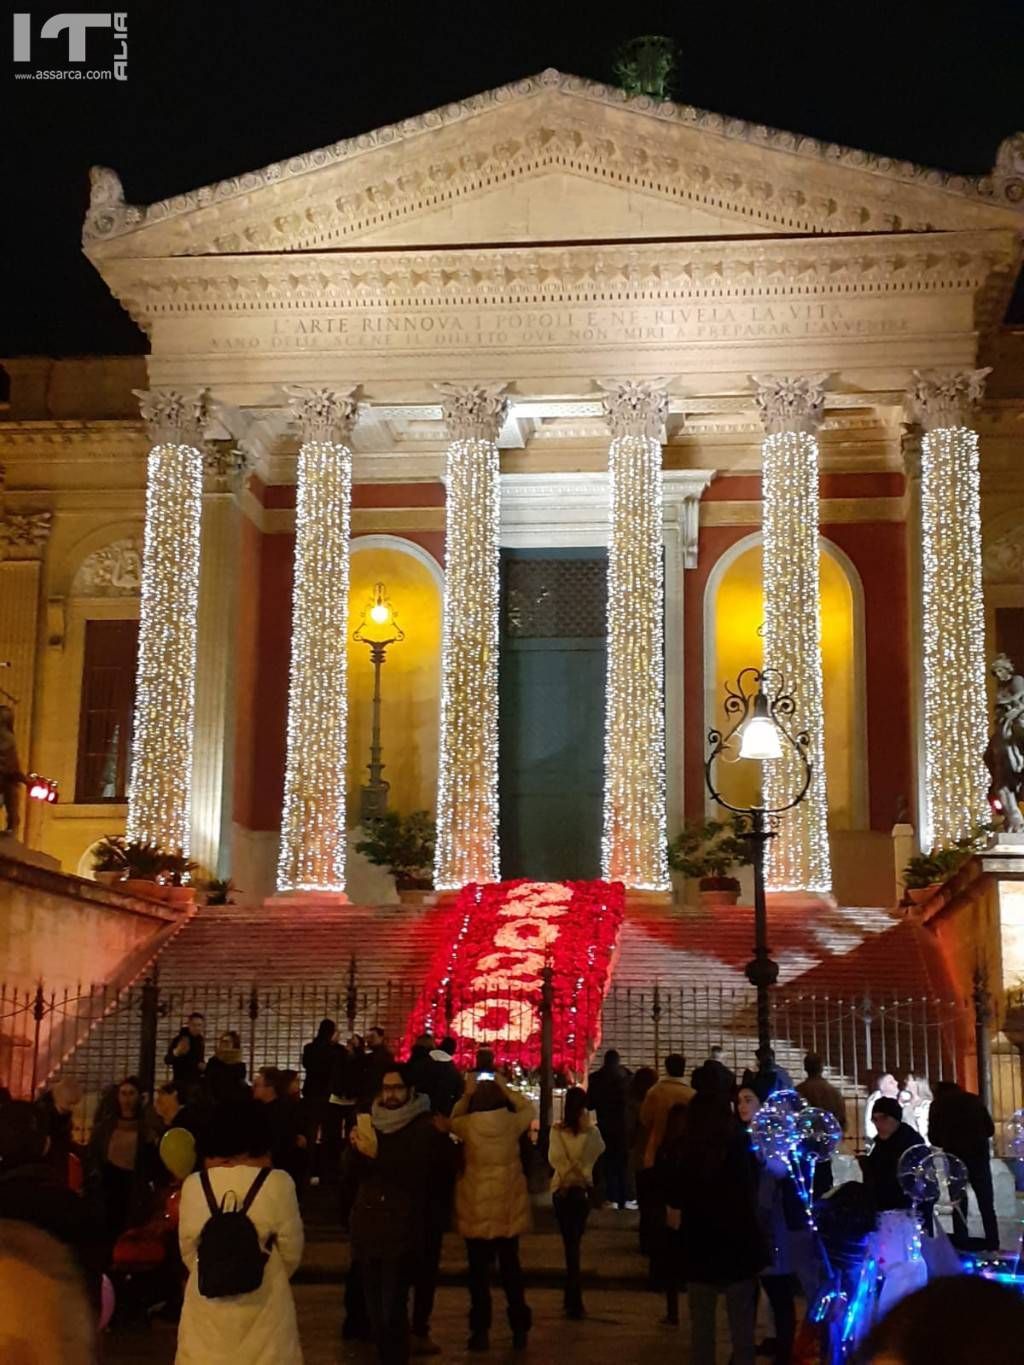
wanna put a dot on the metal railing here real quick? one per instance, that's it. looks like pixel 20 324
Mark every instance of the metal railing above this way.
pixel 99 1035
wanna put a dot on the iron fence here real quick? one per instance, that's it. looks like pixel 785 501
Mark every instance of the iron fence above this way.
pixel 99 1035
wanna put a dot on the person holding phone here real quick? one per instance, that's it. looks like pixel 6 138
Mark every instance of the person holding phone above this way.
pixel 492 1204
pixel 402 1164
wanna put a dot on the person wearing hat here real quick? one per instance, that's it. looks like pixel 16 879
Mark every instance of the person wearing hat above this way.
pixel 894 1137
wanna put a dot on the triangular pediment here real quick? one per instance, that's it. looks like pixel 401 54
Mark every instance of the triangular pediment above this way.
pixel 553 159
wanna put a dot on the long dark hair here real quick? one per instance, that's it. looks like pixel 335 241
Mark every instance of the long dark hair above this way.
pixel 575 1108
pixel 326 1030
pixel 710 1128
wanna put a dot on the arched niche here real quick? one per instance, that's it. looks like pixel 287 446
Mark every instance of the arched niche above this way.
pixel 733 616
pixel 411 675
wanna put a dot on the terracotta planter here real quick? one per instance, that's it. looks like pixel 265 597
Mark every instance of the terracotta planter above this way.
pixel 179 896
pixel 414 895
pixel 708 899
pixel 108 878
pixel 917 895
pixel 141 886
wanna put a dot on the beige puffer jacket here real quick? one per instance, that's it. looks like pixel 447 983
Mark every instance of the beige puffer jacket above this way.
pixel 491 1198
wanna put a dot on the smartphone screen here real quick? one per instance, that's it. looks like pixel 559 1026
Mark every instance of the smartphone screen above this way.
pixel 485 1075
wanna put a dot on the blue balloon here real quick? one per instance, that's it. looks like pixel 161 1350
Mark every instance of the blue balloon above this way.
pixel 785 1102
pixel 773 1133
pixel 818 1134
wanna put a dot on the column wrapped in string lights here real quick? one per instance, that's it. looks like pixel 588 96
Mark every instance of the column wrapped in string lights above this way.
pixel 160 793
pixel 953 615
pixel 633 845
pixel 312 856
pixel 467 782
pixel 791 411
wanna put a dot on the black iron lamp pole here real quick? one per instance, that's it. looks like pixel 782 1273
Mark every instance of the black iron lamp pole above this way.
pixel 759 708
pixel 378 628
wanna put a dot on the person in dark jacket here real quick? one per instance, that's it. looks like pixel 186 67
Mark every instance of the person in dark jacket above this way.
pixel 379 1059
pixel 608 1098
pixel 768 1077
pixel 398 1162
pixel 960 1124
pixel 724 1079
pixel 712 1204
pixel 186 1052
pixel 31 1191
pixel 880 1165
pixel 321 1062
pixel 122 1159
pixel 224 1078
pixel 56 1108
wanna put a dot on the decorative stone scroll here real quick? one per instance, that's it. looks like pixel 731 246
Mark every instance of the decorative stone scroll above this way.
pixel 115 570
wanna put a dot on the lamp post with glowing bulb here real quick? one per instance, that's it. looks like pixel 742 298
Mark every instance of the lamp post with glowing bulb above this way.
pixel 378 628
pixel 759 709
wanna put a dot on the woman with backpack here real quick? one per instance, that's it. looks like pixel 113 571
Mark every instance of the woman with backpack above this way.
pixel 241 1240
pixel 492 1204
pixel 573 1148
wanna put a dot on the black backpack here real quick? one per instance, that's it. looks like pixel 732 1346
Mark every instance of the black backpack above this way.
pixel 231 1258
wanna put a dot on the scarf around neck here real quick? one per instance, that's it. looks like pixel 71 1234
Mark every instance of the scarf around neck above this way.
pixel 394 1120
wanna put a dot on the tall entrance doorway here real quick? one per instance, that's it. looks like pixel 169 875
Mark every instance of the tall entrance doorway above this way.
pixel 551 712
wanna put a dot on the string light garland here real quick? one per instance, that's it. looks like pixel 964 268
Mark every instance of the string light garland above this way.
pixel 160 790
pixel 313 824
pixel 953 613
pixel 634 841
pixel 798 857
pixel 467 787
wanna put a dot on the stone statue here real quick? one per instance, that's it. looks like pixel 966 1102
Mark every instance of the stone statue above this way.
pixel 1004 755
pixel 11 775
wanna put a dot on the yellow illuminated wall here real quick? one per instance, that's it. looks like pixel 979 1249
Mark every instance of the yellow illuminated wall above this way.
pixel 738 615
pixel 410 680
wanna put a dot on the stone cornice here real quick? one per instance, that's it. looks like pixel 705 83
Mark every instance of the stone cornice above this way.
pixel 576 134
pixel 665 272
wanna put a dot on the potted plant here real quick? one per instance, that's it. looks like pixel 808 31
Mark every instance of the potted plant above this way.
pixel 109 863
pixel 219 891
pixel 144 864
pixel 175 869
pixel 707 850
pixel 926 872
pixel 404 844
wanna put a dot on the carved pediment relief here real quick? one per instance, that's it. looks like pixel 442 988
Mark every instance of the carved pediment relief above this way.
pixel 688 171
pixel 1003 557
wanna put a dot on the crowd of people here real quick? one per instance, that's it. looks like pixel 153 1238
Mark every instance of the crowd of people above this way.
pixel 416 1148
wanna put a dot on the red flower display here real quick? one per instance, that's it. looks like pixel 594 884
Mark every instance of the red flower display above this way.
pixel 485 983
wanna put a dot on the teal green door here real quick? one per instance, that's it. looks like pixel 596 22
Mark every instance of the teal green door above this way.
pixel 551 712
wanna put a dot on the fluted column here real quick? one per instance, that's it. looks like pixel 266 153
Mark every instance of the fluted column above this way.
pixel 160 795
pixel 312 856
pixel 791 411
pixel 467 783
pixel 953 614
pixel 633 846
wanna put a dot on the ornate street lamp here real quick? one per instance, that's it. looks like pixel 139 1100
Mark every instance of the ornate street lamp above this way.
pixel 378 628
pixel 759 721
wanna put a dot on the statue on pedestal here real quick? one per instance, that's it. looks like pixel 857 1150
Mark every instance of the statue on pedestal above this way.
pixel 1004 755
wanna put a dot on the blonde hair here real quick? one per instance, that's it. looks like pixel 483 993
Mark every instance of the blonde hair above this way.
pixel 45 1314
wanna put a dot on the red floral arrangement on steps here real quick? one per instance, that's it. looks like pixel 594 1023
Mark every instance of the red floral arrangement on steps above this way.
pixel 484 985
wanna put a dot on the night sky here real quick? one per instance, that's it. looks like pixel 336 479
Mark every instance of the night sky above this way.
pixel 217 87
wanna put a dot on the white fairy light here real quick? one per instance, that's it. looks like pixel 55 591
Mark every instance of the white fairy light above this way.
pixel 953 614
pixel 313 825
pixel 633 842
pixel 467 786
pixel 160 791
pixel 798 857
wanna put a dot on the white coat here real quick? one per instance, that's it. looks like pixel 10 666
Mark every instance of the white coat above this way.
pixel 572 1156
pixel 248 1329
pixel 491 1198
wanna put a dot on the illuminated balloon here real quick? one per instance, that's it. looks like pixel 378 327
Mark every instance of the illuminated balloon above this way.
pixel 178 1152
pixel 773 1133
pixel 1015 1135
pixel 928 1175
pixel 785 1102
pixel 818 1134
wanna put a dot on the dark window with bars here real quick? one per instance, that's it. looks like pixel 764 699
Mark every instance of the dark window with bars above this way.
pixel 108 705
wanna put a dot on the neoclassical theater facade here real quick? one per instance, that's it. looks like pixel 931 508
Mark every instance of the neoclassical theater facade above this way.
pixel 616 398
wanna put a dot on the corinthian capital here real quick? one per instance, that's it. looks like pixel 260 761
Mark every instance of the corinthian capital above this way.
pixel 790 402
pixel 473 412
pixel 945 398
pixel 636 407
pixel 173 417
pixel 322 414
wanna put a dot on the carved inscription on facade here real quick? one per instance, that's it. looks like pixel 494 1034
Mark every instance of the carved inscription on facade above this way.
pixel 378 330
